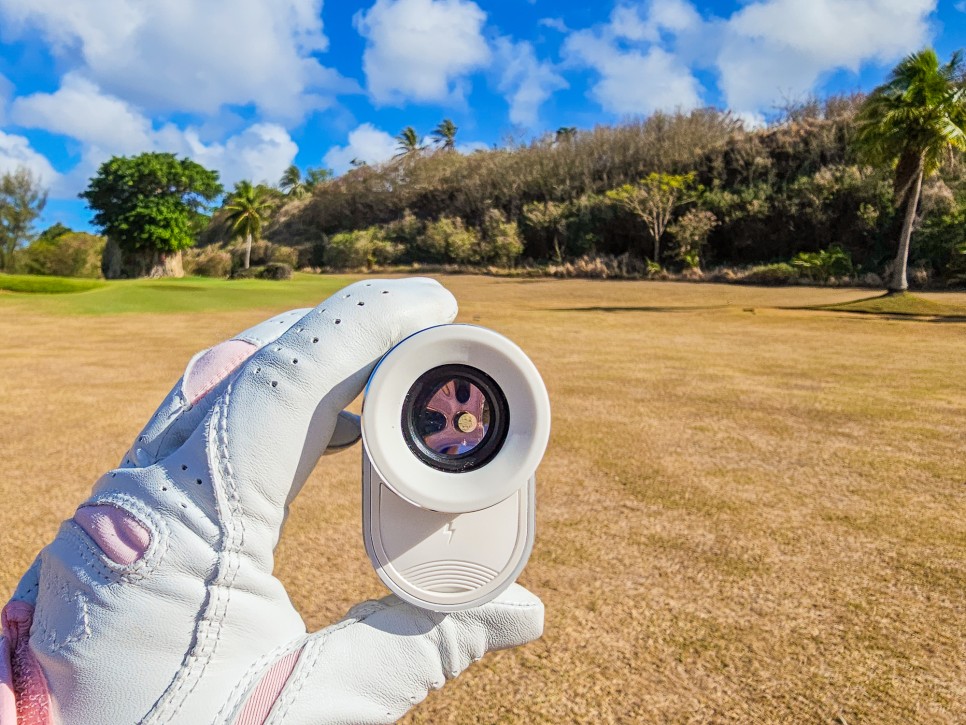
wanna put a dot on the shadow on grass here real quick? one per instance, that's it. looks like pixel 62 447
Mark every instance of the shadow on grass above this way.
pixel 896 306
pixel 683 308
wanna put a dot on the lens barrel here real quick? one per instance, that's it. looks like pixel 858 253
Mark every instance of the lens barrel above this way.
pixel 455 418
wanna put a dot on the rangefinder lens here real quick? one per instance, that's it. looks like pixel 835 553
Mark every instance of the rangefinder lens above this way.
pixel 455 418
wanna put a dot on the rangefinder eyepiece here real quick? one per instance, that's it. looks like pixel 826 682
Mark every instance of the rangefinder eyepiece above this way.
pixel 455 421
pixel 455 418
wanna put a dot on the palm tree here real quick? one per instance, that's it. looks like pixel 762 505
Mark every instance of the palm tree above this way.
pixel 408 142
pixel 445 135
pixel 248 208
pixel 291 182
pixel 916 119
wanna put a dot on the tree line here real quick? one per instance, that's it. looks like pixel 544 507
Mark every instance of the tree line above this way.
pixel 842 187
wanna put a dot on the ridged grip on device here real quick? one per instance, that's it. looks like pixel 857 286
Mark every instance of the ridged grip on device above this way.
pixel 449 577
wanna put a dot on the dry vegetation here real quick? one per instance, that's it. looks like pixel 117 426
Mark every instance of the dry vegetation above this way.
pixel 746 514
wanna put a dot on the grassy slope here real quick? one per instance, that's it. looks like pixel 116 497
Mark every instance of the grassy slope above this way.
pixel 899 304
pixel 189 294
pixel 745 515
pixel 35 284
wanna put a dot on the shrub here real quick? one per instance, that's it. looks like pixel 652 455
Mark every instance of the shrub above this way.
pixel 280 254
pixel 207 262
pixel 449 240
pixel 501 242
pixel 242 273
pixel 690 234
pixel 824 265
pixel 74 254
pixel 276 270
pixel 406 230
pixel 600 266
pixel 780 273
pixel 364 248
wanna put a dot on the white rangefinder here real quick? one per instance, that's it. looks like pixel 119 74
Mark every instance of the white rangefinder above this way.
pixel 455 421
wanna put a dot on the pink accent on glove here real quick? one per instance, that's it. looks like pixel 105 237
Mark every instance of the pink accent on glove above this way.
pixel 121 536
pixel 213 366
pixel 8 700
pixel 21 677
pixel 266 692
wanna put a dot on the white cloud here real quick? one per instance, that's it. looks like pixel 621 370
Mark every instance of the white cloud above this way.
pixel 106 125
pixel 80 110
pixel 16 152
pixel 777 49
pixel 527 82
pixel 766 52
pixel 366 143
pixel 260 153
pixel 181 55
pixel 421 50
pixel 638 75
pixel 554 24
pixel 6 90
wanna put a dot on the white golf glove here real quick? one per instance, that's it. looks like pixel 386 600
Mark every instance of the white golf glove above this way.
pixel 156 603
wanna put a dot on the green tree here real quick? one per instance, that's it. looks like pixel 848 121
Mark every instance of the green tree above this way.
pixel 71 254
pixel 550 218
pixel 314 177
pixel 296 186
pixel 654 199
pixel 248 208
pixel 54 231
pixel 149 205
pixel 22 199
pixel 445 135
pixel 408 142
pixel 292 184
pixel 691 232
pixel 915 120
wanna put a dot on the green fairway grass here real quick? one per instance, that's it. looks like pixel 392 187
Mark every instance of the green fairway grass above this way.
pixel 97 297
pixel 37 284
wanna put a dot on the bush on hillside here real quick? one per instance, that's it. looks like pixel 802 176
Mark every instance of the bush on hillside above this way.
pixel 276 270
pixel 73 254
pixel 768 274
pixel 361 249
pixel 207 262
pixel 501 244
pixel 824 265
pixel 448 239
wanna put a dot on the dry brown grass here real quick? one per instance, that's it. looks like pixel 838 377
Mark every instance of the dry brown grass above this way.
pixel 745 515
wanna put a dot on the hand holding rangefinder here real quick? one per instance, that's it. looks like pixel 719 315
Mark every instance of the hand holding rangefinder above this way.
pixel 455 422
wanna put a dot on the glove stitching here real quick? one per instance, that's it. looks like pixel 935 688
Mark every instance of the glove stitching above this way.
pixel 297 680
pixel 232 558
pixel 212 616
pixel 50 635
pixel 174 417
pixel 159 540
pixel 299 677
pixel 76 538
pixel 252 675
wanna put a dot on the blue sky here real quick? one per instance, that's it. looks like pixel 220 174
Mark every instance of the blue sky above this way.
pixel 249 86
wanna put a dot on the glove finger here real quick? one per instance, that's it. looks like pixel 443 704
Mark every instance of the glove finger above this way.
pixel 277 417
pixel 205 376
pixel 348 431
pixel 382 659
